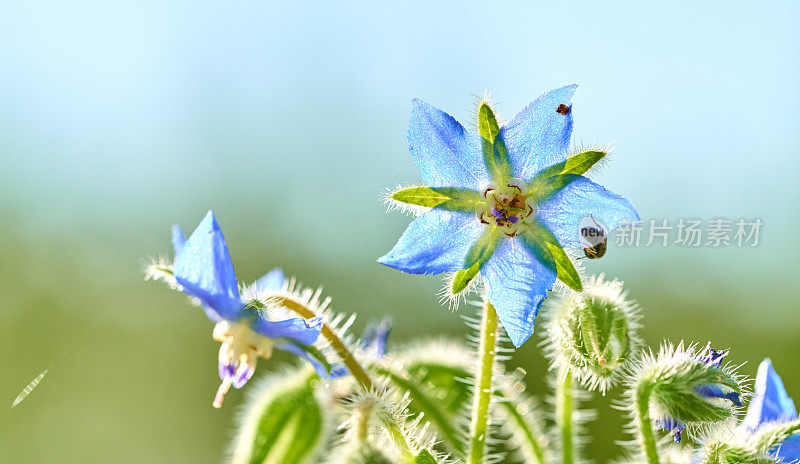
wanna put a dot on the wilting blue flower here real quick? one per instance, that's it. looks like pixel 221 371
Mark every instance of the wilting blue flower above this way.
pixel 504 202
pixel 204 270
pixel 771 404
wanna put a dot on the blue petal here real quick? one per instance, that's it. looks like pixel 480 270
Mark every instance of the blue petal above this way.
pixel 539 136
pixel 337 370
pixel 375 337
pixel 436 242
pixel 273 280
pixel 715 391
pixel 446 154
pixel 770 402
pixel 516 284
pixel 563 212
pixel 204 270
pixel 672 425
pixel 178 240
pixel 788 450
pixel 305 331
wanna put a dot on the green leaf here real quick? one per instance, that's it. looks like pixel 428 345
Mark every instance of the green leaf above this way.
pixel 495 153
pixel 545 246
pixel 285 425
pixel 449 198
pixel 477 256
pixel 556 177
pixel 424 457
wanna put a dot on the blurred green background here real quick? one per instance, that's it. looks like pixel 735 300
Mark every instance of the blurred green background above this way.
pixel 118 119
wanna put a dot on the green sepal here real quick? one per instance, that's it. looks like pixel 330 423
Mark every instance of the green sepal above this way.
pixel 495 152
pixel 424 457
pixel 477 256
pixel 285 424
pixel 556 177
pixel 545 246
pixel 449 198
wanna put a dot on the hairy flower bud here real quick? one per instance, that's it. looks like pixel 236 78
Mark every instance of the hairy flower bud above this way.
pixel 683 386
pixel 594 332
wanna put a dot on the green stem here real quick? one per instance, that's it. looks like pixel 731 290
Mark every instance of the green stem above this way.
pixel 647 438
pixel 527 433
pixel 564 406
pixel 483 385
pixel 359 373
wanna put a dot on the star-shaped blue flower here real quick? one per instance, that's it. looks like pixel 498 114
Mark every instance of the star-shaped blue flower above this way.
pixel 771 404
pixel 503 203
pixel 204 270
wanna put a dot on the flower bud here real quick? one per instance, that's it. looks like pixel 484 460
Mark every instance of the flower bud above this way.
pixel 593 333
pixel 285 421
pixel 685 386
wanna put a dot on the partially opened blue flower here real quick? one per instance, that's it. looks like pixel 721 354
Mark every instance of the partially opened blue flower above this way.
pixel 204 270
pixel 504 203
pixel 770 405
pixel 713 359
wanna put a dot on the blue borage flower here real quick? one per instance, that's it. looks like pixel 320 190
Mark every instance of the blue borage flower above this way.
pixel 503 203
pixel 772 405
pixel 203 269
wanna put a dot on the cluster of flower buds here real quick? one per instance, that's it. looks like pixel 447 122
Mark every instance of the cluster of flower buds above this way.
pixel 593 333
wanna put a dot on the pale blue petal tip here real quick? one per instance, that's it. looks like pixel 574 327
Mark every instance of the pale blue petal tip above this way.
pixel 770 402
pixel 204 269
pixel 563 212
pixel 436 242
pixel 273 280
pixel 517 284
pixel 446 154
pixel 178 239
pixel 539 135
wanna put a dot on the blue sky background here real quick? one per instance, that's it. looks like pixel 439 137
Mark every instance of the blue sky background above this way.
pixel 289 118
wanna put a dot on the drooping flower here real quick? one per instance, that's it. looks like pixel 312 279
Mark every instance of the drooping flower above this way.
pixel 203 269
pixel 504 203
pixel 770 406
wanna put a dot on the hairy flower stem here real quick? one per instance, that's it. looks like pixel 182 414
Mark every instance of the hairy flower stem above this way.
pixel 483 384
pixel 359 373
pixel 646 437
pixel 564 405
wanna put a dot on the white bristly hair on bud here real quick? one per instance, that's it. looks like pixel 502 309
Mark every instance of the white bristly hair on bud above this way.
pixel 593 333
pixel 668 386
